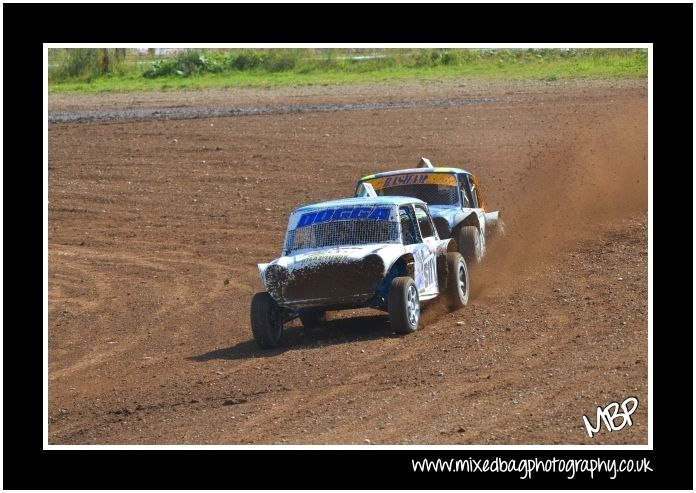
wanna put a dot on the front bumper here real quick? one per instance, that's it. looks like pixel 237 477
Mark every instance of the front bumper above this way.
pixel 326 283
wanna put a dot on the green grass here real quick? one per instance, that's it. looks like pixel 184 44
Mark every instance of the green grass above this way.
pixel 406 65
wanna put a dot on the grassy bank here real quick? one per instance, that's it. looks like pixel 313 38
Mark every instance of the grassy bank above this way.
pixel 101 71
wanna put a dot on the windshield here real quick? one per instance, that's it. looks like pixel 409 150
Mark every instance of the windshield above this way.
pixel 350 226
pixel 432 188
pixel 431 194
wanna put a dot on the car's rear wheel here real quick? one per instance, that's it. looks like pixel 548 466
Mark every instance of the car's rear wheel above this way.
pixel 457 288
pixel 266 321
pixel 403 305
pixel 470 243
pixel 313 318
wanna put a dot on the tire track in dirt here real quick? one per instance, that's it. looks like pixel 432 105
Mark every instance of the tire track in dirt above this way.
pixel 184 113
pixel 172 306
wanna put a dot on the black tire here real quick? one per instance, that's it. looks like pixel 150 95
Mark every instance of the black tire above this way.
pixel 470 244
pixel 266 321
pixel 403 305
pixel 313 318
pixel 457 288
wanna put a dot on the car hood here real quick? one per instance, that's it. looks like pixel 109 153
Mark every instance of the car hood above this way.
pixel 336 255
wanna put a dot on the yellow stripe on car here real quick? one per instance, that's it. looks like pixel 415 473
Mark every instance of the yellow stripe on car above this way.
pixel 412 179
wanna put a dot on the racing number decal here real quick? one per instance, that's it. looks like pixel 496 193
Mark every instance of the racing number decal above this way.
pixel 429 272
pixel 426 270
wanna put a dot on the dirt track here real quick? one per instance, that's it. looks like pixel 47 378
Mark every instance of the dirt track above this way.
pixel 155 229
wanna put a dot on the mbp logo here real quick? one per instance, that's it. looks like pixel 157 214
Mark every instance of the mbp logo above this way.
pixel 609 414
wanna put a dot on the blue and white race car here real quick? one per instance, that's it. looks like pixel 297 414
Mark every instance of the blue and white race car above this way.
pixel 455 199
pixel 369 251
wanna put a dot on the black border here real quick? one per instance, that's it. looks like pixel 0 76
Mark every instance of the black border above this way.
pixel 26 27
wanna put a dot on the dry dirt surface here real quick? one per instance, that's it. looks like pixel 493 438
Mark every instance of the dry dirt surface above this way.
pixel 156 226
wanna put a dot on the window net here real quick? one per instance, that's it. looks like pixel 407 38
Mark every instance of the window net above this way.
pixel 343 233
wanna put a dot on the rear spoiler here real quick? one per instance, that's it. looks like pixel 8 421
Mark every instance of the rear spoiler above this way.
pixel 365 190
pixel 425 163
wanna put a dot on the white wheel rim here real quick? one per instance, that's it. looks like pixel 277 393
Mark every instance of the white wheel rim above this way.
pixel 462 280
pixel 412 305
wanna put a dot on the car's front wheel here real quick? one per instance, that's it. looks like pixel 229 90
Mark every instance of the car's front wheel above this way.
pixel 266 321
pixel 457 287
pixel 403 305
